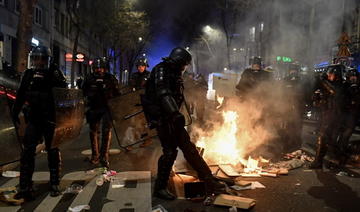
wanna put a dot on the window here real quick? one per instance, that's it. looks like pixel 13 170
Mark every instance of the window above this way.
pixel 252 34
pixel 2 2
pixel 38 15
pixel 57 19
pixel 62 22
pixel 17 6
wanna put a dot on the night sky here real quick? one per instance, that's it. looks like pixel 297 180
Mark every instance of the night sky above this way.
pixel 175 23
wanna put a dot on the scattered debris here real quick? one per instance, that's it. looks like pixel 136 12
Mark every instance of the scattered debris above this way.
pixel 209 200
pixel 249 175
pixel 342 173
pixel 291 164
pixel 233 209
pixel 100 180
pixel 79 208
pixel 240 182
pixel 299 154
pixel 251 186
pixel 239 202
pixel 11 174
pixel 159 208
pixel 74 189
pixel 229 170
pixel 295 154
pixel 268 174
pixel 117 182
pixel 7 196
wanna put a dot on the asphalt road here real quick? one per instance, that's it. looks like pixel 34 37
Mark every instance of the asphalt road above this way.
pixel 301 190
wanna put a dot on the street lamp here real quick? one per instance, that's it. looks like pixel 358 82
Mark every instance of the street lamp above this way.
pixel 140 39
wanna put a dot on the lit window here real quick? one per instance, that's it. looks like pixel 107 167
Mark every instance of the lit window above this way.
pixel 252 34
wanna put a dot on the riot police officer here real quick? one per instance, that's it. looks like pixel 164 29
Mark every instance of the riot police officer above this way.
pixel 36 89
pixel 252 77
pixel 98 88
pixel 161 102
pixel 351 115
pixel 295 102
pixel 331 105
pixel 139 78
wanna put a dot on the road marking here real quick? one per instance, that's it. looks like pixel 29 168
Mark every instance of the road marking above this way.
pixel 49 203
pixel 138 198
pixel 137 194
pixel 84 197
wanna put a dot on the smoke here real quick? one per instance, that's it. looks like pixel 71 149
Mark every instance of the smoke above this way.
pixel 263 124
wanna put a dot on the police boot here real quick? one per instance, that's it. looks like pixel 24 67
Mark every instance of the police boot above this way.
pixel 165 164
pixel 213 186
pixel 105 146
pixel 26 191
pixel 27 194
pixel 320 154
pixel 94 137
pixel 54 160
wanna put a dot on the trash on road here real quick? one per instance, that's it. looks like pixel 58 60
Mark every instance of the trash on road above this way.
pixel 7 196
pixel 100 180
pixel 233 209
pixel 239 202
pixel 11 174
pixel 117 182
pixel 342 173
pixel 266 174
pixel 73 189
pixel 159 208
pixel 251 186
pixel 79 208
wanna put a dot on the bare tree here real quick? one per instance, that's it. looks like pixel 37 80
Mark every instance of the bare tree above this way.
pixel 231 11
pixel 24 33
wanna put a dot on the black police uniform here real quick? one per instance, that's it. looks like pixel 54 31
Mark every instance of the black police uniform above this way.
pixel 98 89
pixel 162 100
pixel 351 117
pixel 36 89
pixel 138 80
pixel 332 107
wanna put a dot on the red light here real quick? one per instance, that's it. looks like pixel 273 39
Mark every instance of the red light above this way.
pixel 8 95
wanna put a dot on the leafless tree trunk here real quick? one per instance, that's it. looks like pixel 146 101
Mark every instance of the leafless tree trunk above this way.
pixel 24 33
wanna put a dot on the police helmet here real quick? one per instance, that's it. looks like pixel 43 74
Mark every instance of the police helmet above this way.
pixel 40 57
pixel 180 56
pixel 337 70
pixel 100 62
pixel 142 62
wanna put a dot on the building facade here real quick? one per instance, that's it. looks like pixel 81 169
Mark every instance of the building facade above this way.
pixel 52 28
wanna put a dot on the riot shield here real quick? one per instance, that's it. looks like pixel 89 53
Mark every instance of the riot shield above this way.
pixel 8 138
pixel 69 107
pixel 131 129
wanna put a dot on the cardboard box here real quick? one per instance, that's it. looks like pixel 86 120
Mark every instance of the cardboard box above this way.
pixel 239 202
